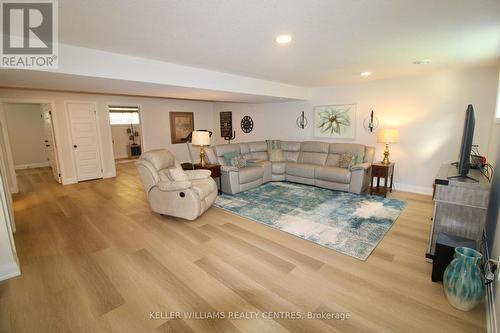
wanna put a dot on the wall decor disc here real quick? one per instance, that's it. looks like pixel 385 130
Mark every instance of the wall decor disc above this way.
pixel 246 124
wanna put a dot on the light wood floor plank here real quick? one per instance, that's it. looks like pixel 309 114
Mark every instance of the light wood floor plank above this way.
pixel 94 258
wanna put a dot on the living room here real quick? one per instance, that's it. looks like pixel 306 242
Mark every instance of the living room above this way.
pixel 283 223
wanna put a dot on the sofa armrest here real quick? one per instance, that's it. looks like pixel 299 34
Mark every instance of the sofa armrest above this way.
pixel 228 168
pixel 173 186
pixel 198 174
pixel 361 166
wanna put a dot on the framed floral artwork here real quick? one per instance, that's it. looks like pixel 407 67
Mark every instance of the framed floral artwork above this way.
pixel 335 121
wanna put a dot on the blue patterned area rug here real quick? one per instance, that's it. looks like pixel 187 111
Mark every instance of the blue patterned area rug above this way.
pixel 350 223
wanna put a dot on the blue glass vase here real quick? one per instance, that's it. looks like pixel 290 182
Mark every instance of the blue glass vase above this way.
pixel 463 280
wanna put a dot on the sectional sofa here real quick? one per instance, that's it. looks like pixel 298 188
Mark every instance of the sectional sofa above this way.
pixel 309 162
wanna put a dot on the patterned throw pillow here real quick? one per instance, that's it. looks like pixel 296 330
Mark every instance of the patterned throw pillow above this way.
pixel 229 156
pixel 360 158
pixel 239 161
pixel 346 160
pixel 275 155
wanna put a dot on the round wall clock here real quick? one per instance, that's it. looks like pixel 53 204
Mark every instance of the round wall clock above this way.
pixel 246 124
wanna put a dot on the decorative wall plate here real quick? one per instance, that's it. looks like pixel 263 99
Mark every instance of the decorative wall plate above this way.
pixel 246 124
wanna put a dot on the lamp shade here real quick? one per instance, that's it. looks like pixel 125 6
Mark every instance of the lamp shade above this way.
pixel 388 135
pixel 200 138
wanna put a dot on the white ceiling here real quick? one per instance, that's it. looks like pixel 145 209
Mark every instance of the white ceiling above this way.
pixel 333 40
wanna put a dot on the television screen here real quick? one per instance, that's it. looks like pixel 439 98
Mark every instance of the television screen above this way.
pixel 466 146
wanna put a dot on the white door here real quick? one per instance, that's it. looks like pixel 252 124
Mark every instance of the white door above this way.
pixel 85 140
pixel 49 141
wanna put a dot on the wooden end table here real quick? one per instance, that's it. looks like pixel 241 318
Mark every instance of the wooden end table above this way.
pixel 214 169
pixel 381 170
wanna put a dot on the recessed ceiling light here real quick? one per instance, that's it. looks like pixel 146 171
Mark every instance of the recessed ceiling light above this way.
pixel 365 73
pixel 422 62
pixel 283 39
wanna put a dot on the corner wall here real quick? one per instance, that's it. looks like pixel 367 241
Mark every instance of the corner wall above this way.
pixel 26 135
pixel 428 110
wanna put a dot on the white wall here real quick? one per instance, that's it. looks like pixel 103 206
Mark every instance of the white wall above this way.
pixel 428 110
pixel 121 140
pixel 154 117
pixel 26 134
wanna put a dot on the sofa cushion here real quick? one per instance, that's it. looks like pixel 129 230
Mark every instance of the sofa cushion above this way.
pixel 250 173
pixel 278 168
pixel 257 155
pixel 257 146
pixel 312 158
pixel 291 150
pixel 333 174
pixel 314 146
pixel 300 170
pixel 290 145
pixel 275 155
pixel 273 144
pixel 332 160
pixel 353 148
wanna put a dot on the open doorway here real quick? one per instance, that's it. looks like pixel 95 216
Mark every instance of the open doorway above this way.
pixel 126 132
pixel 30 139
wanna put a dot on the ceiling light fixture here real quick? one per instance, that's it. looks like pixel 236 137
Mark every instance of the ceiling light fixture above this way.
pixel 283 39
pixel 365 73
pixel 422 62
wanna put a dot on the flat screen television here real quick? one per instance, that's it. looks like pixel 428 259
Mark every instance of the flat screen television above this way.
pixel 466 146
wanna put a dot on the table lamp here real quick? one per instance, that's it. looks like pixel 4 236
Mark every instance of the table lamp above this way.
pixel 202 140
pixel 387 136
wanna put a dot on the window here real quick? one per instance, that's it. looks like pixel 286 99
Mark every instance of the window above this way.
pixel 123 115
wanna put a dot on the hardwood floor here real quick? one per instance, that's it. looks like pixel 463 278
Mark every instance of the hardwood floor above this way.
pixel 95 259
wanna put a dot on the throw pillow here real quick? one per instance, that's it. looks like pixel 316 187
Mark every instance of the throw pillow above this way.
pixel 360 158
pixel 275 155
pixel 238 161
pixel 346 160
pixel 273 144
pixel 229 156
pixel 178 175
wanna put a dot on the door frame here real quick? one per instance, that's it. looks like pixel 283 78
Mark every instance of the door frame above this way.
pixel 70 134
pixel 141 125
pixel 55 126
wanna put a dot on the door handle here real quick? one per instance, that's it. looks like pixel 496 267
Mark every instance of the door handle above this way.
pixel 46 141
pixel 47 145
pixel 75 146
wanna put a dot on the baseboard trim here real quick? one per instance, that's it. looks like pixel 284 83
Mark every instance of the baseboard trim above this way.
pixel 9 270
pixel 69 181
pixel 413 188
pixel 32 165
pixel 109 175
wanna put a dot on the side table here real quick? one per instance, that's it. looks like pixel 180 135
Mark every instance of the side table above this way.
pixel 381 170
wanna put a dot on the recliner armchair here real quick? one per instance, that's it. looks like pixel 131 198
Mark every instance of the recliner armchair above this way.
pixel 173 191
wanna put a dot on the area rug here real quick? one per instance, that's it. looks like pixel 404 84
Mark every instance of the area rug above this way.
pixel 349 223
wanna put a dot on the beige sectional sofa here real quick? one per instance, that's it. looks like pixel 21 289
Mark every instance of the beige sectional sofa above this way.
pixel 309 162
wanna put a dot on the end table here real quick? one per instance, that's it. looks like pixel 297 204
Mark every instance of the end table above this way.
pixel 381 170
